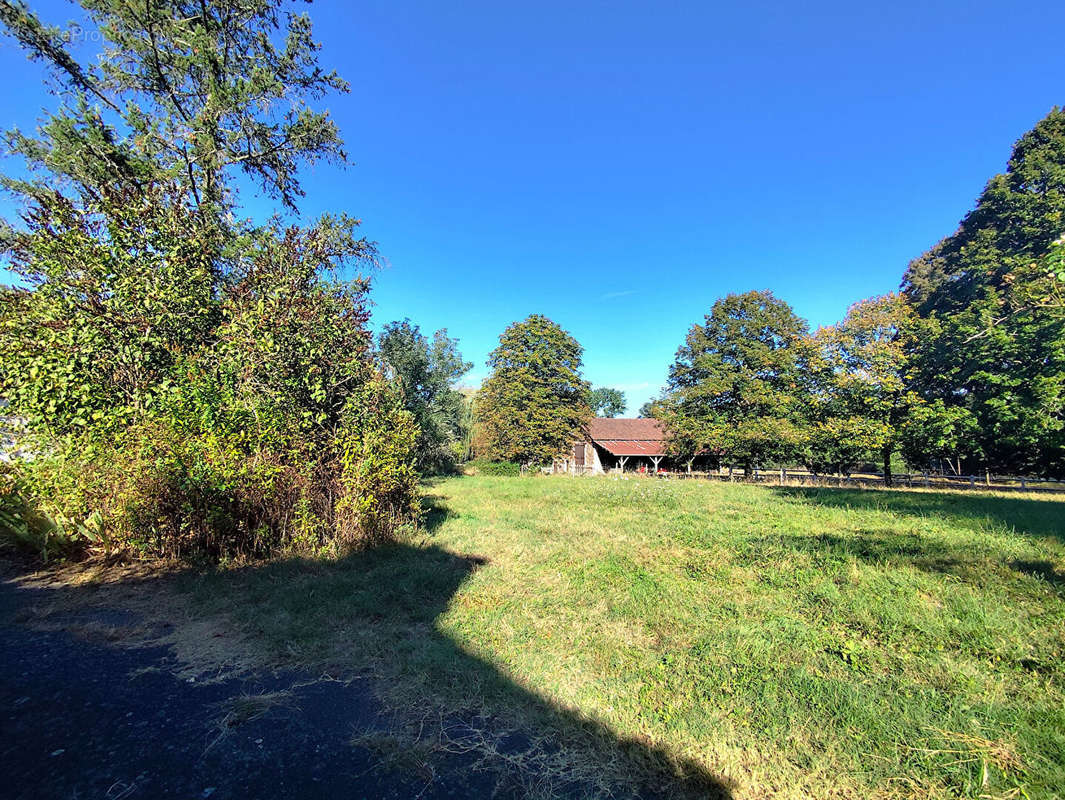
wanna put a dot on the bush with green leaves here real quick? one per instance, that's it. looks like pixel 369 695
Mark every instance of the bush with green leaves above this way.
pixel 196 395
pixel 508 469
pixel 192 382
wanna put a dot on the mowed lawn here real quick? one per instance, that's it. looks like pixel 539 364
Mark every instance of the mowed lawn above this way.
pixel 783 642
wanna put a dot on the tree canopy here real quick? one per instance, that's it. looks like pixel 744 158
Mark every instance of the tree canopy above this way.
pixel 989 345
pixel 860 398
pixel 534 403
pixel 192 382
pixel 607 402
pixel 185 90
pixel 736 387
pixel 425 373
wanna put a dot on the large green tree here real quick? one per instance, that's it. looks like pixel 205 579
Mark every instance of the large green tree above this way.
pixel 990 343
pixel 425 373
pixel 607 402
pixel 738 385
pixel 193 89
pixel 534 403
pixel 861 401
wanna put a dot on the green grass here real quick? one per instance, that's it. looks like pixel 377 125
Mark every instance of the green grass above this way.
pixel 755 641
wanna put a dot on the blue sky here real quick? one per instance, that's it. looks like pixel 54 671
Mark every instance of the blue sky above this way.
pixel 619 166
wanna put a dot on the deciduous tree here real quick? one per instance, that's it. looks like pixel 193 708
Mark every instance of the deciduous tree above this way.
pixel 535 402
pixel 738 385
pixel 861 399
pixel 192 382
pixel 197 90
pixel 425 373
pixel 990 341
pixel 607 402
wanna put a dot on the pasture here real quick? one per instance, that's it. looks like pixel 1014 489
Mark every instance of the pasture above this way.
pixel 698 638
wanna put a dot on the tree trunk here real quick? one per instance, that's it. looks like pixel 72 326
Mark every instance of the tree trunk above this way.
pixel 747 471
pixel 887 466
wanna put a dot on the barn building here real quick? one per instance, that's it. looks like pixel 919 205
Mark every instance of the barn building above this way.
pixel 612 445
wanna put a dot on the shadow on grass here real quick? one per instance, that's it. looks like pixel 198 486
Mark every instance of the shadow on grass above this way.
pixel 894 549
pixel 434 512
pixel 376 613
pixel 1042 518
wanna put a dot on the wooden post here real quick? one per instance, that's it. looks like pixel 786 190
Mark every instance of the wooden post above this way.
pixel 972 481
pixel 783 476
pixel 655 460
pixel 926 479
pixel 987 478
pixel 621 462
pixel 730 475
pixel 1024 483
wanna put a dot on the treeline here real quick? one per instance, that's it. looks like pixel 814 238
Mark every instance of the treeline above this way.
pixel 195 383
pixel 962 369
pixel 965 366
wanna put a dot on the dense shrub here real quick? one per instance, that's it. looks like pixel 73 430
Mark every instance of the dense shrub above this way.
pixel 192 383
pixel 189 393
pixel 25 527
pixel 506 468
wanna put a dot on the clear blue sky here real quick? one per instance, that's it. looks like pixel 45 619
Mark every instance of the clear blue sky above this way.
pixel 619 166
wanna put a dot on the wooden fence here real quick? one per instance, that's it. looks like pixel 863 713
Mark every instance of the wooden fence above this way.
pixel 905 480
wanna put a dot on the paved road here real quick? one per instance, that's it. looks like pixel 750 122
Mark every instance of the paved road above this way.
pixel 85 718
pixel 85 715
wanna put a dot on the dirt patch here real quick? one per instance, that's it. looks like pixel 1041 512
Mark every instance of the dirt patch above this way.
pixel 135 604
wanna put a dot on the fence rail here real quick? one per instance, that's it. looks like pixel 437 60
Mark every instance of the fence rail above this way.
pixel 905 480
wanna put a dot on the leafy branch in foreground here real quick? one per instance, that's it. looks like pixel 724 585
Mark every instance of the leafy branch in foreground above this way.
pixel 194 89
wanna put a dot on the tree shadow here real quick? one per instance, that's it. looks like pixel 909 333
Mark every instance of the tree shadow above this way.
pixel 1040 518
pixel 971 562
pixel 470 729
pixel 434 512
pixel 903 549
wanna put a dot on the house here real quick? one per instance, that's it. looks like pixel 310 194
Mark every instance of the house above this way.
pixel 617 445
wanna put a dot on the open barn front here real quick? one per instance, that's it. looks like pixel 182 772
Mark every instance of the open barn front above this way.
pixel 623 445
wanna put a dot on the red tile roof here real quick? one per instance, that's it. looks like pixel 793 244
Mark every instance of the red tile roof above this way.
pixel 644 430
pixel 628 447
pixel 628 437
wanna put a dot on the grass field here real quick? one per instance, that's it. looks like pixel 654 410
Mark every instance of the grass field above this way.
pixel 734 640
